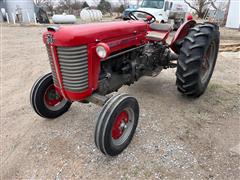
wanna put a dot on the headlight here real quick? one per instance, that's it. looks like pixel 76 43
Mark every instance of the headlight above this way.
pixel 102 50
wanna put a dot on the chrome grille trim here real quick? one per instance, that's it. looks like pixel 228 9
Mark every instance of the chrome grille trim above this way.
pixel 72 56
pixel 72 53
pixel 67 64
pixel 52 65
pixel 67 49
pixel 74 61
pixel 74 67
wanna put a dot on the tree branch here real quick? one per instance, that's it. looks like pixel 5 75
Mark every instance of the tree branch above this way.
pixel 191 6
pixel 213 5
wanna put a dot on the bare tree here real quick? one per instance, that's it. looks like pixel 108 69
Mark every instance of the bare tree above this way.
pixel 69 6
pixel 125 3
pixel 213 5
pixel 48 4
pixel 39 2
pixel 200 6
pixel 66 5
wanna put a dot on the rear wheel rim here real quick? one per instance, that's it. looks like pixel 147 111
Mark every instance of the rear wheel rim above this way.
pixel 53 100
pixel 207 63
pixel 122 126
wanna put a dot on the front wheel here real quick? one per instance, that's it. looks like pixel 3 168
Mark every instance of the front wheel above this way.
pixel 45 100
pixel 197 59
pixel 116 124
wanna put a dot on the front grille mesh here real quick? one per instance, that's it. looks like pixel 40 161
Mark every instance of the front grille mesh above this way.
pixel 52 66
pixel 74 67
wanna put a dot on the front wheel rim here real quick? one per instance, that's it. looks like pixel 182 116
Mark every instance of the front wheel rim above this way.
pixel 53 100
pixel 122 126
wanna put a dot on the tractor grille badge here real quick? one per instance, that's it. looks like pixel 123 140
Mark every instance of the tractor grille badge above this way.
pixel 50 39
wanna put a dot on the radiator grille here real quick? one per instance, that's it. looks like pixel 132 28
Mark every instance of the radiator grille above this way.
pixel 52 66
pixel 74 67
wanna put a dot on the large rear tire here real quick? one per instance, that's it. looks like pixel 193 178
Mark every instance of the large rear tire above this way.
pixel 45 100
pixel 197 59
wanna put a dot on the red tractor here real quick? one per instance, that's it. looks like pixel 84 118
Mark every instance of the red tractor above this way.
pixel 90 61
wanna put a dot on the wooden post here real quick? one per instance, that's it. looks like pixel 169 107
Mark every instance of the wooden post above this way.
pixel 35 18
pixel 13 17
pixel 7 17
pixel 28 17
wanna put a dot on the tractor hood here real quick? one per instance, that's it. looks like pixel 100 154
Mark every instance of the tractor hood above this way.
pixel 76 35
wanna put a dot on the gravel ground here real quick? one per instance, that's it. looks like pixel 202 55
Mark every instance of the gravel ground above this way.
pixel 177 137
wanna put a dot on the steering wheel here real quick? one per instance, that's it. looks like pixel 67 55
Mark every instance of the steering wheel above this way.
pixel 150 20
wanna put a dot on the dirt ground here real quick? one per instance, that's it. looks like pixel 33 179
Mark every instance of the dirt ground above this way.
pixel 177 137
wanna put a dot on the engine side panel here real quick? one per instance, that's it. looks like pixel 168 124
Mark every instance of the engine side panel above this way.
pixel 127 68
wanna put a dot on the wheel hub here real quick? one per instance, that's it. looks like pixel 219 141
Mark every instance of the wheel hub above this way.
pixel 123 125
pixel 207 62
pixel 120 125
pixel 52 97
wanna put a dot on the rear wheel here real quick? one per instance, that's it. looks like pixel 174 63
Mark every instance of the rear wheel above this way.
pixel 116 124
pixel 45 100
pixel 197 59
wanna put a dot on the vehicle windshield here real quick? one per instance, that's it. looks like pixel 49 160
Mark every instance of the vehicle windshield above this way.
pixel 158 4
pixel 132 7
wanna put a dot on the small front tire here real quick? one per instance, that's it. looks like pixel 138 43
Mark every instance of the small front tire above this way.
pixel 116 124
pixel 45 100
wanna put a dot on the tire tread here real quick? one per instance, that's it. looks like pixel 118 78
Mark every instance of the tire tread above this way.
pixel 191 54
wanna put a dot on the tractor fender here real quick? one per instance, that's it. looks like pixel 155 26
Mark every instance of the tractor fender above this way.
pixel 181 33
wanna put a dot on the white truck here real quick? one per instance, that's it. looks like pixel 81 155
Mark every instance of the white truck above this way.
pixel 165 11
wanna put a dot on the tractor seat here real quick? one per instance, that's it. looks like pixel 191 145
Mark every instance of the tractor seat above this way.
pixel 158 32
pixel 160 26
